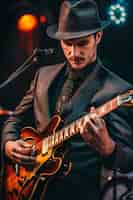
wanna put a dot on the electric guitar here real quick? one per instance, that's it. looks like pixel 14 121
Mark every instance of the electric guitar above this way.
pixel 22 183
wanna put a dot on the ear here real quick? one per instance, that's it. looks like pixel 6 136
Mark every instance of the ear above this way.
pixel 99 37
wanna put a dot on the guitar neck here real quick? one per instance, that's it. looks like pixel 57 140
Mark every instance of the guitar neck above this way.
pixel 108 107
pixel 78 125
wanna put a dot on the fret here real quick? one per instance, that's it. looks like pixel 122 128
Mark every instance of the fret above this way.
pixel 107 107
pixel 44 146
pixel 66 133
pixel 72 128
pixel 52 140
pixel 80 124
pixel 102 110
pixel 49 141
pixel 77 129
pixel 56 141
pixel 61 136
pixel 86 118
pixel 110 105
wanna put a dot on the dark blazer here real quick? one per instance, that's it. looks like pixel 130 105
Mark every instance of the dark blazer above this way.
pixel 100 86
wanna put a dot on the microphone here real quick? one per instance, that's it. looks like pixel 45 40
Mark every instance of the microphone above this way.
pixel 46 51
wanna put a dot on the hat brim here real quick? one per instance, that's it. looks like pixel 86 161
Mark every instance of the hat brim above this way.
pixel 52 32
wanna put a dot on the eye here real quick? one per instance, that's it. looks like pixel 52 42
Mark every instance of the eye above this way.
pixel 67 43
pixel 83 43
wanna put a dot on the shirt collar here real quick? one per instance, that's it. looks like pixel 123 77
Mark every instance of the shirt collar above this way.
pixel 80 74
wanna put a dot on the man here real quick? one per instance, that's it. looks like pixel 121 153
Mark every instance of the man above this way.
pixel 72 89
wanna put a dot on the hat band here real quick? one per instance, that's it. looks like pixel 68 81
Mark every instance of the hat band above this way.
pixel 78 27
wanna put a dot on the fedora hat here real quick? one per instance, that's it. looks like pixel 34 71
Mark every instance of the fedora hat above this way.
pixel 77 19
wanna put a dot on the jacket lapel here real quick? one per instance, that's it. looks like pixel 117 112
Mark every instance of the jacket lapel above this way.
pixel 81 100
pixel 45 85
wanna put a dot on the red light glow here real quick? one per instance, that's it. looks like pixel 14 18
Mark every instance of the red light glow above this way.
pixel 27 22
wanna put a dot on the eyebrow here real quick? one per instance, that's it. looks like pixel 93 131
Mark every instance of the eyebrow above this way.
pixel 77 40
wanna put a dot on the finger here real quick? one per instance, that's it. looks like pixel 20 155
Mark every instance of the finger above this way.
pixel 103 122
pixel 87 132
pixel 97 121
pixel 24 144
pixel 23 151
pixel 92 109
pixel 23 163
pixel 23 159
pixel 90 126
pixel 94 115
pixel 91 132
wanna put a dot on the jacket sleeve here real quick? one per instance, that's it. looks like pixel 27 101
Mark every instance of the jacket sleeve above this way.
pixel 21 116
pixel 120 127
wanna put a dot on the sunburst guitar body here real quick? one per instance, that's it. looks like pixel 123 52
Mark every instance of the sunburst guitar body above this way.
pixel 24 182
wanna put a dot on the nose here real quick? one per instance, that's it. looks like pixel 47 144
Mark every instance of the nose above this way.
pixel 75 52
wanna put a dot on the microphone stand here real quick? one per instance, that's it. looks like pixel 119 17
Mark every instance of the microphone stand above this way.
pixel 29 61
pixel 115 184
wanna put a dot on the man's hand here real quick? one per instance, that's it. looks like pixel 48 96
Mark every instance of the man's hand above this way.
pixel 20 152
pixel 95 134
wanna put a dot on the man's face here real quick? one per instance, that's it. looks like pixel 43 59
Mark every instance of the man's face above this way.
pixel 82 51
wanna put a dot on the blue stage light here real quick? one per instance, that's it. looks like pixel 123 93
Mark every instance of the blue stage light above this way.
pixel 117 13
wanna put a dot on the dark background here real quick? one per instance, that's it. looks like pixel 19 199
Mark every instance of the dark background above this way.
pixel 15 47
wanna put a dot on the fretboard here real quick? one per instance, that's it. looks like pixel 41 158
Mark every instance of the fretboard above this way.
pixel 78 125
